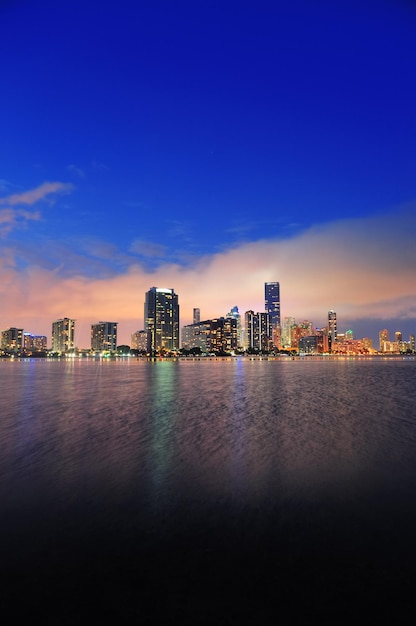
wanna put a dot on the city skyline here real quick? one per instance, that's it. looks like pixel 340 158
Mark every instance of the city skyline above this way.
pixel 211 148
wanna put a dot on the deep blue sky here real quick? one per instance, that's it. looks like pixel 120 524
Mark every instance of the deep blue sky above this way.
pixel 189 128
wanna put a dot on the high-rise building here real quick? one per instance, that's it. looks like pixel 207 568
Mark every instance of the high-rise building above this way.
pixel 383 338
pixel 34 343
pixel 161 319
pixel 139 340
pixel 12 339
pixel 217 335
pixel 272 302
pixel 196 316
pixel 412 342
pixel 63 335
pixel 258 331
pixel 234 314
pixel 286 337
pixel 332 328
pixel 104 336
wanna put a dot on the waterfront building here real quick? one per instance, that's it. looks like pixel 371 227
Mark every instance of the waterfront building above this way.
pixel 140 340
pixel 272 302
pixel 383 337
pixel 196 315
pixel 412 342
pixel 63 335
pixel 34 343
pixel 12 339
pixel 104 337
pixel 367 344
pixel 161 319
pixel 332 328
pixel 312 344
pixel 303 329
pixel 234 314
pixel 258 331
pixel 288 322
pixel 218 335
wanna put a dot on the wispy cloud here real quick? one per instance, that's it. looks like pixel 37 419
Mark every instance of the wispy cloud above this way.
pixel 147 248
pixel 12 218
pixel 42 192
pixel 73 169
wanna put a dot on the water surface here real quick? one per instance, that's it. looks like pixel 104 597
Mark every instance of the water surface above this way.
pixel 210 491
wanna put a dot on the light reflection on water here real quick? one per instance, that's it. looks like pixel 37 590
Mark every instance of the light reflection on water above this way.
pixel 261 455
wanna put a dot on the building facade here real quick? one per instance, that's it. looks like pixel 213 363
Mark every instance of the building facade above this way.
pixel 139 340
pixel 34 343
pixel 272 302
pixel 12 340
pixel 332 328
pixel 218 335
pixel 104 337
pixel 63 335
pixel 161 320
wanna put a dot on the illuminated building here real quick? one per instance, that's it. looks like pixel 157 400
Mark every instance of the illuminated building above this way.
pixel 412 343
pixel 258 331
pixel 303 329
pixel 63 335
pixel 234 314
pixel 272 302
pixel 104 336
pixel 139 340
pixel 34 343
pixel 312 344
pixel 383 337
pixel 288 322
pixel 367 345
pixel 332 328
pixel 218 335
pixel 12 339
pixel 161 319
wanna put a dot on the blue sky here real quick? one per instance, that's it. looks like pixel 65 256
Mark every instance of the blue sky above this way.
pixel 209 144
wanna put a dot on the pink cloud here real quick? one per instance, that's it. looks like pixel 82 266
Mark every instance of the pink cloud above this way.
pixel 34 195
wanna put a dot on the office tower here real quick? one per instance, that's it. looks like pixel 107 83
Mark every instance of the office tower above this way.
pixel 12 339
pixel 196 316
pixel 161 319
pixel 383 337
pixel 258 331
pixel 63 335
pixel 234 314
pixel 139 340
pixel 272 302
pixel 412 342
pixel 288 322
pixel 104 336
pixel 332 328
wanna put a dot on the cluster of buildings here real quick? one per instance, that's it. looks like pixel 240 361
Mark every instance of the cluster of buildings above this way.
pixel 254 332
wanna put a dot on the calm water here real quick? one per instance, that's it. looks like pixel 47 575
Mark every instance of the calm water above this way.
pixel 208 492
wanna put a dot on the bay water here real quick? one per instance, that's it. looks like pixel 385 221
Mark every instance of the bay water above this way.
pixel 210 491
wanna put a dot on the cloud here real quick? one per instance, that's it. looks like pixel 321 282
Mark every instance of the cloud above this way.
pixel 34 195
pixel 147 248
pixel 362 268
pixel 76 170
pixel 12 218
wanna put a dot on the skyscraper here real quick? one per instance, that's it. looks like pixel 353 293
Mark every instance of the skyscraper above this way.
pixel 196 315
pixel 104 336
pixel 161 319
pixel 332 328
pixel 272 302
pixel 63 335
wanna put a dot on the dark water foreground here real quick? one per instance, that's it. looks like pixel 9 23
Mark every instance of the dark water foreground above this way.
pixel 208 492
